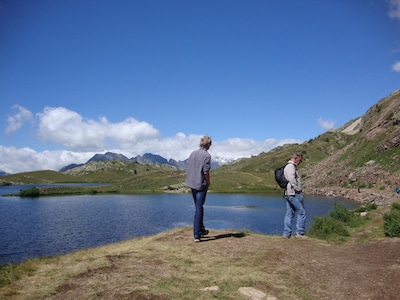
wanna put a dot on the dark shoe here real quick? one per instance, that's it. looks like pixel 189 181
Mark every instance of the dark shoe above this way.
pixel 205 232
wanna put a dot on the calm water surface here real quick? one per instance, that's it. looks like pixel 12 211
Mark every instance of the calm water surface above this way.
pixel 56 225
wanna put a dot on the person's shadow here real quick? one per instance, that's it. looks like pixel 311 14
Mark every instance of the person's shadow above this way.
pixel 222 236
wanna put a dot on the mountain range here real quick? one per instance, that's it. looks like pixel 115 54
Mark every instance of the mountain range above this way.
pixel 147 158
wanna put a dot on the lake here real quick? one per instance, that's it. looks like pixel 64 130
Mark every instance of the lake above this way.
pixel 47 226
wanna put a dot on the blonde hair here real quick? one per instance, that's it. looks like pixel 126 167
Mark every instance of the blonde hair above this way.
pixel 205 142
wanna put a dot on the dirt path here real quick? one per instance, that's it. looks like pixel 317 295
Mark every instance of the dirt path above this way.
pixel 368 271
pixel 320 270
pixel 350 271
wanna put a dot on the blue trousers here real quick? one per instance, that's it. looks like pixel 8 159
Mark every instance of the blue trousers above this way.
pixel 199 197
pixel 294 206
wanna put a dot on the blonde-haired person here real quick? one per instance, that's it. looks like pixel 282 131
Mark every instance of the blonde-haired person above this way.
pixel 294 199
pixel 198 179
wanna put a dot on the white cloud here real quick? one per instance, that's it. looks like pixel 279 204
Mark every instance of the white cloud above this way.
pixel 68 129
pixel 13 160
pixel 394 9
pixel 17 120
pixel 396 66
pixel 326 124
pixel 82 139
pixel 237 148
pixel 179 147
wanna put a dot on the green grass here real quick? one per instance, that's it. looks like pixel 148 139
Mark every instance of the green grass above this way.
pixel 338 225
pixel 392 221
pixel 42 177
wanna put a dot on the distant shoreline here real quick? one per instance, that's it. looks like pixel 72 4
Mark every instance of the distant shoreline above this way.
pixel 362 196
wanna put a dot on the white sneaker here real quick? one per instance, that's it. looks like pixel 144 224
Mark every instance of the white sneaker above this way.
pixel 300 236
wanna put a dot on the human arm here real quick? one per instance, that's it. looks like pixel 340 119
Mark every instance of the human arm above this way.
pixel 207 168
pixel 207 177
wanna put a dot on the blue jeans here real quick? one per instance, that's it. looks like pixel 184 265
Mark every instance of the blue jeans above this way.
pixel 294 205
pixel 199 197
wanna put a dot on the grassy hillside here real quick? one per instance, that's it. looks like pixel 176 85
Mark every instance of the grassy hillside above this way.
pixel 41 177
pixel 121 177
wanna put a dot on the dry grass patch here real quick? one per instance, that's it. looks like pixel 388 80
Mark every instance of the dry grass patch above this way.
pixel 170 265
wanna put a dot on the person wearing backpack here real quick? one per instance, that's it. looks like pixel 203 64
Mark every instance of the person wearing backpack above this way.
pixel 294 199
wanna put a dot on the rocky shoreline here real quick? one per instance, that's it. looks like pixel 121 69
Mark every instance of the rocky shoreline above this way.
pixel 362 196
pixel 7 183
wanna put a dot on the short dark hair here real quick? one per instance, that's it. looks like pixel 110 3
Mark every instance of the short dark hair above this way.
pixel 297 154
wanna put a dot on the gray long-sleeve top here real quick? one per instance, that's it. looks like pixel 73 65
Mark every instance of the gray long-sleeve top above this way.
pixel 199 164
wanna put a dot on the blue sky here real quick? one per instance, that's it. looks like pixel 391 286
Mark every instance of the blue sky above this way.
pixel 84 77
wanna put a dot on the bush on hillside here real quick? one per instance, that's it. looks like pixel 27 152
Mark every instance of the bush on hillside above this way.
pixel 335 226
pixel 391 225
pixel 395 206
pixel 341 213
pixel 368 207
pixel 351 218
pixel 327 228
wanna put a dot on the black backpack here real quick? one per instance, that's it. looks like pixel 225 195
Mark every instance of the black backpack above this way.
pixel 280 177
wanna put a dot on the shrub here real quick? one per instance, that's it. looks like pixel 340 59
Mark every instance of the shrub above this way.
pixel 391 225
pixel 395 206
pixel 335 226
pixel 351 218
pixel 31 192
pixel 357 221
pixel 371 206
pixel 341 213
pixel 368 207
pixel 360 209
pixel 327 228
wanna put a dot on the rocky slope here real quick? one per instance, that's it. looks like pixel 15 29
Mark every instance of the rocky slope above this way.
pixel 367 168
